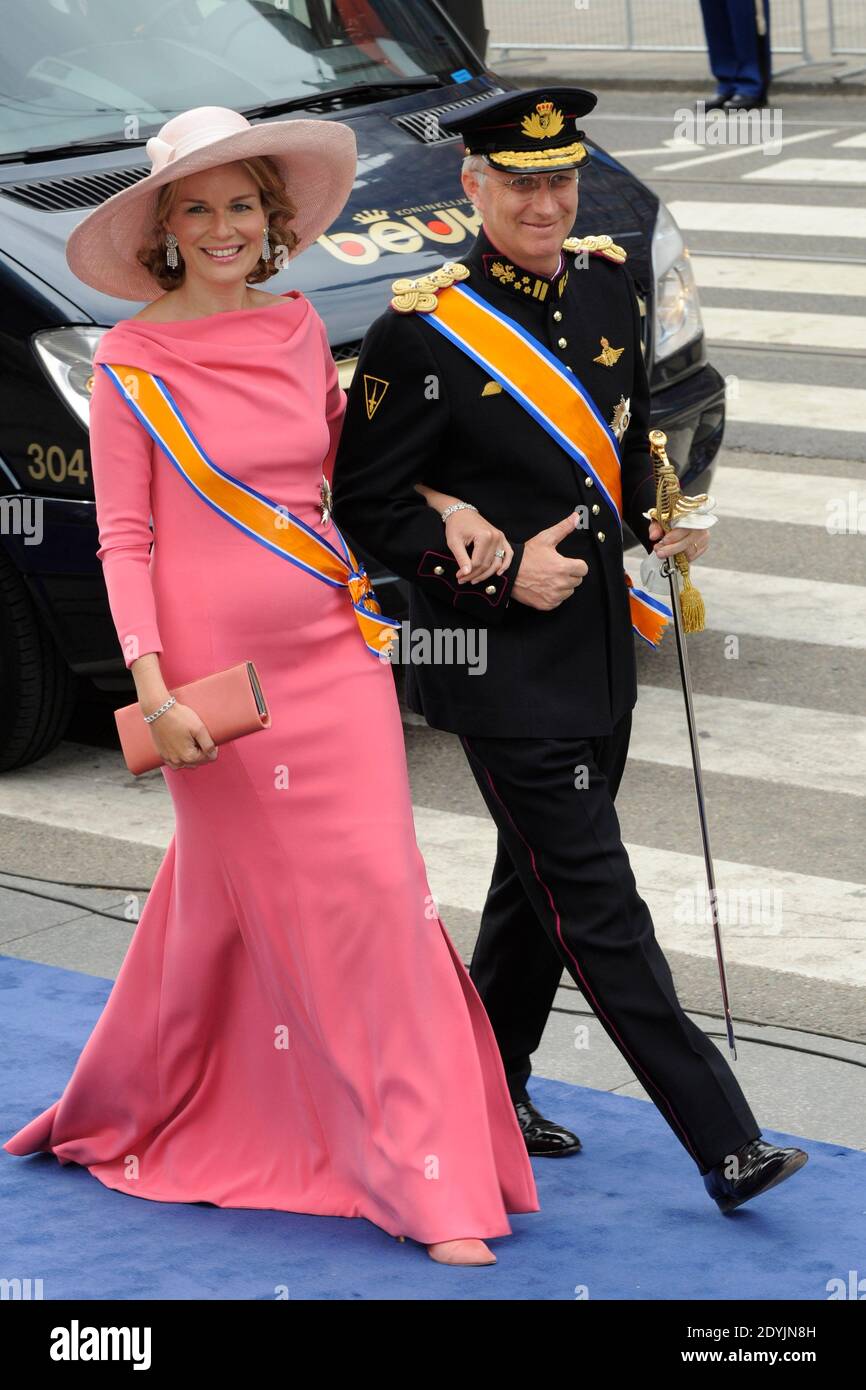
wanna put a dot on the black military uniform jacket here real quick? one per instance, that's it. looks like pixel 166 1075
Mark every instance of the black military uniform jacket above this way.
pixel 421 411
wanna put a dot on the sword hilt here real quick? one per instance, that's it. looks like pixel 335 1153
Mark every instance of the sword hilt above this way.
pixel 670 505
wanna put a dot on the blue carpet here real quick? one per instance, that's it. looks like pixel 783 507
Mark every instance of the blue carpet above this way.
pixel 628 1218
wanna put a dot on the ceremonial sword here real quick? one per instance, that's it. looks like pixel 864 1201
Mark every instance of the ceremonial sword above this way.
pixel 670 510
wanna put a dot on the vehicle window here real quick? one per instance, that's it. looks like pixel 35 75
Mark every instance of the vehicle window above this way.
pixel 79 69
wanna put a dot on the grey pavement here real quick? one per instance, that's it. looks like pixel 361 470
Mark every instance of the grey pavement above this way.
pixel 552 24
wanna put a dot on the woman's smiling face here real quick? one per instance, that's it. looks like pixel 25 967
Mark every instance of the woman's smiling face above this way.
pixel 218 219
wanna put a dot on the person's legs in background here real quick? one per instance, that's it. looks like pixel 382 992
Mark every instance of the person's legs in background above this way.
pixel 721 49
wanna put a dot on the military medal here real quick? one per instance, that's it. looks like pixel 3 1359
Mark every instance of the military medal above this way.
pixel 608 355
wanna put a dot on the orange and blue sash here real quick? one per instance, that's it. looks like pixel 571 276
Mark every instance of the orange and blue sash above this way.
pixel 555 399
pixel 266 521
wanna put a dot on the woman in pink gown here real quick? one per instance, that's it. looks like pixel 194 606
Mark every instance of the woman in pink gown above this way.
pixel 291 1027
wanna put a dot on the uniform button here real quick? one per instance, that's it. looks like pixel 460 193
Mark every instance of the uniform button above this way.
pixel 568 369
pixel 557 316
pixel 595 509
pixel 587 482
pixel 601 535
pixel 437 569
pixel 490 588
pixel 562 342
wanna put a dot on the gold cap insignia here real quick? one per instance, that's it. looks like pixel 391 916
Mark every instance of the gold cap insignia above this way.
pixel 543 123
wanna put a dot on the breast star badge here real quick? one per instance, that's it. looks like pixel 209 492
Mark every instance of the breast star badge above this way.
pixel 621 416
pixel 608 355
pixel 327 500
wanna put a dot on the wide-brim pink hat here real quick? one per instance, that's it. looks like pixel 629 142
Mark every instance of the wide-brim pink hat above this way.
pixel 317 161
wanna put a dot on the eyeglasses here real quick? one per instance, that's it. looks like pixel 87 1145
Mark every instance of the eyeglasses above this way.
pixel 525 185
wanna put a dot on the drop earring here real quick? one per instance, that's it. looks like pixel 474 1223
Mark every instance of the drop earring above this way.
pixel 171 250
pixel 266 245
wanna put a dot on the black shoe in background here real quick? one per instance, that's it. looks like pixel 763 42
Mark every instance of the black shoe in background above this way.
pixel 739 102
pixel 717 102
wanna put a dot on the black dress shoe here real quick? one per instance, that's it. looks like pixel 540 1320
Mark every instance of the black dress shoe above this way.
pixel 739 102
pixel 544 1138
pixel 717 102
pixel 760 1167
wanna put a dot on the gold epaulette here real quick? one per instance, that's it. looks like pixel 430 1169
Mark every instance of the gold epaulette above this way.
pixel 604 245
pixel 419 295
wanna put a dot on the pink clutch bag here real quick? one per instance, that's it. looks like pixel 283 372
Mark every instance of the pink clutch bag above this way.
pixel 230 703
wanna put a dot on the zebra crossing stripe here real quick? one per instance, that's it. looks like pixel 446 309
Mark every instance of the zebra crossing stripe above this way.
pixel 781 276
pixel 771 219
pixel 758 905
pixel 785 328
pixel 794 499
pixel 780 607
pixel 810 171
pixel 741 151
pixel 801 405
pixel 750 738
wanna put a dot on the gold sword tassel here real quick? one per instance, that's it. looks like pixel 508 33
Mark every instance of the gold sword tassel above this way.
pixel 671 504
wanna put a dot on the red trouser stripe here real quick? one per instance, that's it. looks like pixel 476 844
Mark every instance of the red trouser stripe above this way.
pixel 584 983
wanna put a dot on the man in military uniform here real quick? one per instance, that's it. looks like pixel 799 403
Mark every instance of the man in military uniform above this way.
pixel 512 389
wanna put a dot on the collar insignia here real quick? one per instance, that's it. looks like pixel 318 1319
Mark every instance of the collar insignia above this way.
pixel 521 281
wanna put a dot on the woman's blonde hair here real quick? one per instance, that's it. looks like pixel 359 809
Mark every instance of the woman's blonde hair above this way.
pixel 276 204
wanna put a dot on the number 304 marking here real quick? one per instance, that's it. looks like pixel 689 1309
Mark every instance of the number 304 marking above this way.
pixel 53 464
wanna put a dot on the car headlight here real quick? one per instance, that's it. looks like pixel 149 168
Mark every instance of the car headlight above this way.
pixel 677 308
pixel 66 357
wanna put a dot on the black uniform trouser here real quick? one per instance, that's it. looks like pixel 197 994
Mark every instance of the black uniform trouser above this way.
pixel 563 894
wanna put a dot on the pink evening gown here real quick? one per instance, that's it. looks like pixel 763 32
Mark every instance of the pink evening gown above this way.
pixel 291 1027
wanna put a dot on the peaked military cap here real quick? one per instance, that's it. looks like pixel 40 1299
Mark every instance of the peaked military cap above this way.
pixel 528 131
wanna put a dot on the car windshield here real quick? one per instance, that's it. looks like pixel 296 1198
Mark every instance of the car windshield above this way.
pixel 118 69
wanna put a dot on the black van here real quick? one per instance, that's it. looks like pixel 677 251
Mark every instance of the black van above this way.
pixel 85 85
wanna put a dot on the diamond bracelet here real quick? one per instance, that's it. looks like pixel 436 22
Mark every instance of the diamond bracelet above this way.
pixel 457 507
pixel 149 718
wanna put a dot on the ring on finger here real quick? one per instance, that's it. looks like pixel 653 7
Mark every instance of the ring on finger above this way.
pixel 500 554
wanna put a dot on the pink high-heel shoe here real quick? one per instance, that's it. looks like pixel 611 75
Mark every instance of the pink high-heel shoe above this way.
pixel 466 1247
pixel 469 1246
